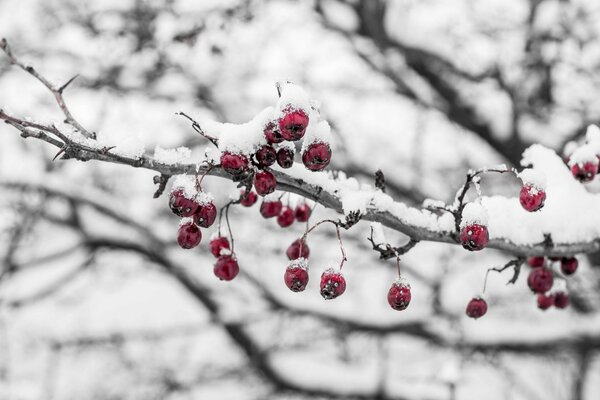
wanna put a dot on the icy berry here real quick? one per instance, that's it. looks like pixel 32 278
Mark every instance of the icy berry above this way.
pixel 272 134
pixel 540 280
pixel 270 209
pixel 544 301
pixel 568 265
pixel 226 268
pixel 189 235
pixel 333 284
pixel 217 244
pixel 298 249
pixel 535 262
pixel 316 156
pixel 266 156
pixel 285 157
pixel 182 205
pixel 250 198
pixel 234 164
pixel 286 217
pixel 476 308
pixel 296 275
pixel 561 300
pixel 399 295
pixel 292 124
pixel 584 172
pixel 474 237
pixel 303 212
pixel 264 183
pixel 205 215
pixel 531 198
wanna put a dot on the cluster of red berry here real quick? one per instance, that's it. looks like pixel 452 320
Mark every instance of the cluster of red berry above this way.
pixel 541 280
pixel 584 160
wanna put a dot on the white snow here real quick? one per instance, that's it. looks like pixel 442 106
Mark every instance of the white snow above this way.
pixel 172 156
pixel 293 97
pixel 187 183
pixel 378 234
pixel 583 155
pixel 474 213
pixel 532 177
pixel 243 138
pixel 316 132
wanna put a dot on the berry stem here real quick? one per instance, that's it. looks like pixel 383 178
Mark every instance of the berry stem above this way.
pixel 198 129
pixel 199 181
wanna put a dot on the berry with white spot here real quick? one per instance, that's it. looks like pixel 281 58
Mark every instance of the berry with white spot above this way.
pixel 316 156
pixel 205 215
pixel 234 164
pixel 292 124
pixel 181 203
pixel 399 295
pixel 218 244
pixel 189 235
pixel 333 284
pixel 285 157
pixel 476 308
pixel 296 275
pixel 265 156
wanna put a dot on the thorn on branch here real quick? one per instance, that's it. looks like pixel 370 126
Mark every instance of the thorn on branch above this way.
pixel 197 128
pixel 387 251
pixel 160 180
pixel 63 87
pixel 380 180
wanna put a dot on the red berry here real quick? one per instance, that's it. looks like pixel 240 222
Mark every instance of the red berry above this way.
pixel 474 237
pixel 531 198
pixel 266 156
pixel 270 209
pixel 286 217
pixel 568 265
pixel 205 215
pixel 561 300
pixel 272 134
pixel 476 308
pixel 285 157
pixel 264 183
pixel 333 284
pixel 234 164
pixel 544 302
pixel 298 249
pixel 296 275
pixel 316 156
pixel 217 244
pixel 540 280
pixel 535 262
pixel 399 295
pixel 226 268
pixel 250 198
pixel 189 235
pixel 292 124
pixel 181 205
pixel 584 172
pixel 303 212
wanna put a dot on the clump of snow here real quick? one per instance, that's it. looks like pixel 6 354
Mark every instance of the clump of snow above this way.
pixel 172 156
pixel 243 138
pixel 474 213
pixel 316 132
pixel 583 155
pixel 570 147
pixel 187 183
pixel 212 155
pixel 378 234
pixel 299 263
pixel 203 198
pixel 592 134
pixel 332 271
pixel 401 282
pixel 288 145
pixel 186 220
pixel 357 200
pixel 293 97
pixel 534 178
pixel 431 203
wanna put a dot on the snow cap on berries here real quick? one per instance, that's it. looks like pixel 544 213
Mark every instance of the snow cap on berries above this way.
pixel 583 155
pixel 474 213
pixel 570 148
pixel 243 138
pixel 288 145
pixel 316 132
pixel 292 97
pixel 534 178
pixel 186 220
pixel 401 282
pixel 185 183
pixel 298 263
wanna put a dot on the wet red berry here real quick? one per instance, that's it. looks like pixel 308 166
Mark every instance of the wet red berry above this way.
pixel 226 268
pixel 265 156
pixel 285 157
pixel 298 249
pixel 286 217
pixel 234 164
pixel 303 212
pixel 292 124
pixel 270 209
pixel 476 308
pixel 205 215
pixel 316 156
pixel 531 198
pixel 272 134
pixel 182 205
pixel 584 172
pixel 568 265
pixel 189 235
pixel 264 183
pixel 540 280
pixel 296 275
pixel 544 302
pixel 474 237
pixel 535 262
pixel 333 284
pixel 399 295
pixel 217 244
pixel 250 198
pixel 561 300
